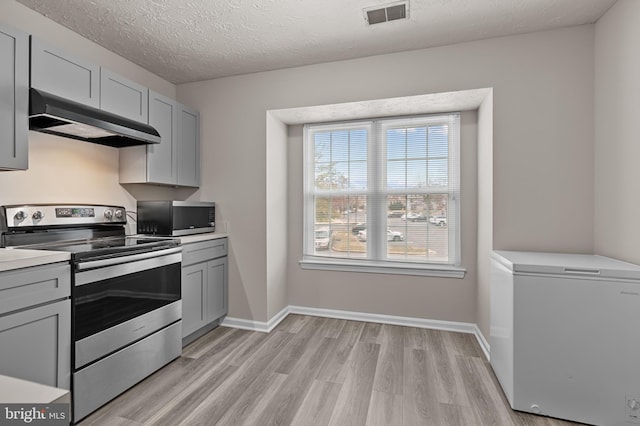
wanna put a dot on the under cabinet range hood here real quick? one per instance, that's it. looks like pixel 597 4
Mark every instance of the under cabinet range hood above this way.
pixel 58 116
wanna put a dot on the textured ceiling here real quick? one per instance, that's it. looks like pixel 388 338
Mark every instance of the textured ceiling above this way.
pixel 192 40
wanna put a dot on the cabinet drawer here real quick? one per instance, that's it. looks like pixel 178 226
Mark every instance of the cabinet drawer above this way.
pixel 22 288
pixel 203 251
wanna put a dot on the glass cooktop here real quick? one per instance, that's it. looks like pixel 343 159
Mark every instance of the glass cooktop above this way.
pixel 108 247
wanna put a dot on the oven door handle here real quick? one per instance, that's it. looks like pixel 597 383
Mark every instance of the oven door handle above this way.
pixel 121 269
pixel 81 266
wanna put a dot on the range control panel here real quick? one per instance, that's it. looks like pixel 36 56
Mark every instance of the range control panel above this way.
pixel 54 214
pixel 75 212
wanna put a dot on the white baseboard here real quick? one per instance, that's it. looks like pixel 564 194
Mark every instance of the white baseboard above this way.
pixel 484 345
pixel 265 327
pixel 245 324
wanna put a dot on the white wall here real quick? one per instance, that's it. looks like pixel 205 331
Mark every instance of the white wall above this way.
pixel 277 215
pixel 64 170
pixel 485 212
pixel 542 155
pixel 617 130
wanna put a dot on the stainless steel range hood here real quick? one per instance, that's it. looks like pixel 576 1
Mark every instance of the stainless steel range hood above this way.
pixel 52 114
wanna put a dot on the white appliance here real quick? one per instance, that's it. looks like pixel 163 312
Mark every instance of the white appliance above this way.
pixel 565 335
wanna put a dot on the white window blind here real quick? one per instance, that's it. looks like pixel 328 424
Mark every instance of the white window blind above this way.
pixel 383 191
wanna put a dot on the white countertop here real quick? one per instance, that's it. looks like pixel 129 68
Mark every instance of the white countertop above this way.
pixel 18 258
pixel 11 259
pixel 18 391
pixel 186 239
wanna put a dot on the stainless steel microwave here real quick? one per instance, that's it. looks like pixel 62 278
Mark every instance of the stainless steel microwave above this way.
pixel 175 218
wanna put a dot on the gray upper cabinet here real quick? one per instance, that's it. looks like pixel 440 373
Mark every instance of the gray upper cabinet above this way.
pixel 123 97
pixel 14 98
pixel 176 159
pixel 162 158
pixel 59 73
pixel 157 163
pixel 189 147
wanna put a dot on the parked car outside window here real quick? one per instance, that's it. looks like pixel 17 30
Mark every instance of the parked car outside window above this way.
pixel 359 227
pixel 438 220
pixel 323 239
pixel 409 216
pixel 391 235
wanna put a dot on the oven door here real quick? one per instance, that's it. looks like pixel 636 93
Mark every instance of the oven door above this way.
pixel 121 300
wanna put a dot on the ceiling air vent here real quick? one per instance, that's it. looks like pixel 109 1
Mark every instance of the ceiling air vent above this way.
pixel 387 13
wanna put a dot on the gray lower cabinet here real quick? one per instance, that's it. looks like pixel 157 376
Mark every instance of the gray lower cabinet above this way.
pixel 14 98
pixel 35 324
pixel 217 280
pixel 194 297
pixel 204 287
pixel 57 72
pixel 176 159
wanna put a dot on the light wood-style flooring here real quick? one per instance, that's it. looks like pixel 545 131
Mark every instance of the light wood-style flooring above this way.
pixel 321 371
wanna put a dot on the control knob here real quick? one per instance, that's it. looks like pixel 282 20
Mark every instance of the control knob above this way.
pixel 37 215
pixel 108 214
pixel 20 216
pixel 119 214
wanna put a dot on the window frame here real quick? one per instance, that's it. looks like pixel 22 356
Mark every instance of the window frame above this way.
pixel 377 260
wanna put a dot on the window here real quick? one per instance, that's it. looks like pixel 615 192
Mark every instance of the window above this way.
pixel 383 193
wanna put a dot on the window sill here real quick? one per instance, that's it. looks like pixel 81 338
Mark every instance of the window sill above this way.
pixel 445 271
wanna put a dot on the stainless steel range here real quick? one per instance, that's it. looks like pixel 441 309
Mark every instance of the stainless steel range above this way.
pixel 126 301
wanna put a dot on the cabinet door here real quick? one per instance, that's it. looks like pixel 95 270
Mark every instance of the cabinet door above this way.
pixel 189 147
pixel 194 291
pixel 217 276
pixel 14 98
pixel 56 72
pixel 162 158
pixel 35 344
pixel 123 97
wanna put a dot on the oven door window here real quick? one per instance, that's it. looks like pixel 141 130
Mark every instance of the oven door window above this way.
pixel 103 304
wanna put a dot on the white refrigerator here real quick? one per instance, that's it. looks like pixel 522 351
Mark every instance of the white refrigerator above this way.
pixel 565 335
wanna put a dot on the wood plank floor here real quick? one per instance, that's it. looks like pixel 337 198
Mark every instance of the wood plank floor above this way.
pixel 321 371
